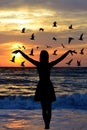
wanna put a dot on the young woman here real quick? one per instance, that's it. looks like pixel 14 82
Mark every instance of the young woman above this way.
pixel 45 92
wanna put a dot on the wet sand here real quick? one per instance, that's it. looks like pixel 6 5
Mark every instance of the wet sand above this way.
pixel 32 120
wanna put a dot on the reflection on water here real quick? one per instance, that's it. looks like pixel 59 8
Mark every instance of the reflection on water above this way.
pixel 32 120
pixel 20 120
pixel 15 124
pixel 23 81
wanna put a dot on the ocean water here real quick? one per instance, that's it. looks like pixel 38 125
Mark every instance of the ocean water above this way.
pixel 17 88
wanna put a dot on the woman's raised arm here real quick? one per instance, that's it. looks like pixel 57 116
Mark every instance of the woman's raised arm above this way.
pixel 34 62
pixel 52 63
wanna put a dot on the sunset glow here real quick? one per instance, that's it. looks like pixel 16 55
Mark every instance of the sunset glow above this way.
pixel 32 16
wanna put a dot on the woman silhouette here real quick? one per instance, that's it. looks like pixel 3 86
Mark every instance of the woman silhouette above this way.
pixel 45 91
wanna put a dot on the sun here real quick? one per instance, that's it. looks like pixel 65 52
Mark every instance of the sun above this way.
pixel 18 58
pixel 18 55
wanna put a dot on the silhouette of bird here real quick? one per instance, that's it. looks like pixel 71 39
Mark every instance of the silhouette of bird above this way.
pixel 54 53
pixel 62 45
pixel 81 37
pixel 41 29
pixel 54 24
pixel 70 39
pixel 13 59
pixel 78 63
pixel 37 47
pixel 24 47
pixel 69 62
pixel 81 51
pixel 32 37
pixel 23 30
pixel 70 27
pixel 22 63
pixel 31 53
pixel 54 38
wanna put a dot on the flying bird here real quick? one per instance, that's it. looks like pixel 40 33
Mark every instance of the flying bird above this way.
pixel 13 59
pixel 54 24
pixel 22 63
pixel 81 51
pixel 24 47
pixel 54 53
pixel 78 63
pixel 70 39
pixel 69 62
pixel 62 45
pixel 70 27
pixel 81 37
pixel 31 53
pixel 37 47
pixel 54 38
pixel 41 29
pixel 32 37
pixel 23 30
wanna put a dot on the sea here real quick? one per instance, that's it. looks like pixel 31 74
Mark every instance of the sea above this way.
pixel 19 111
pixel 18 85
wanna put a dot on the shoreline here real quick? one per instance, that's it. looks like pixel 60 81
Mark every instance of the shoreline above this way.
pixel 63 119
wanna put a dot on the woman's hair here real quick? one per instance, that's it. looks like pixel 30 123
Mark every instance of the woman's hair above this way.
pixel 44 56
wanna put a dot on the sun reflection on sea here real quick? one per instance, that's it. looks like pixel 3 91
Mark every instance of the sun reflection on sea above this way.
pixel 16 124
pixel 21 120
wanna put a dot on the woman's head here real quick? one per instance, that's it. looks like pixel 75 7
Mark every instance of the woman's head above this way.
pixel 44 56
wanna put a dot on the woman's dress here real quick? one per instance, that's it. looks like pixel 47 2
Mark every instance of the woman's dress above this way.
pixel 45 90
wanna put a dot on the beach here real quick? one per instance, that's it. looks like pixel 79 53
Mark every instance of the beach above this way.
pixel 63 119
pixel 18 111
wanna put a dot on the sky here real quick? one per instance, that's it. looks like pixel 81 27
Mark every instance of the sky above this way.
pixel 35 14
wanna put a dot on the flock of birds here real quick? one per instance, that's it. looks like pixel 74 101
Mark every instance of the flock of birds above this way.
pixel 32 37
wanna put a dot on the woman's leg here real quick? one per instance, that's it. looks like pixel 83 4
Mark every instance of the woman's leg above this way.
pixel 46 112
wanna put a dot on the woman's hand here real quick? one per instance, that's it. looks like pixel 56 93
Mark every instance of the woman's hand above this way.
pixel 17 51
pixel 72 51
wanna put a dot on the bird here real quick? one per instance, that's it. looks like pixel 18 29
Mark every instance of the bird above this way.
pixel 23 30
pixel 41 29
pixel 70 39
pixel 78 63
pixel 24 47
pixel 54 53
pixel 54 38
pixel 37 47
pixel 81 51
pixel 81 37
pixel 69 62
pixel 22 63
pixel 13 59
pixel 70 27
pixel 54 24
pixel 31 53
pixel 32 37
pixel 62 45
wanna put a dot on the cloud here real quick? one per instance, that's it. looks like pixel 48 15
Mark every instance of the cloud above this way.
pixel 69 5
pixel 63 5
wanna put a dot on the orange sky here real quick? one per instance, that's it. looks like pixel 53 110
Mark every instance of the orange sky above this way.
pixel 32 16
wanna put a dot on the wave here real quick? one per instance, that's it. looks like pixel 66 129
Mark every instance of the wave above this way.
pixel 76 101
